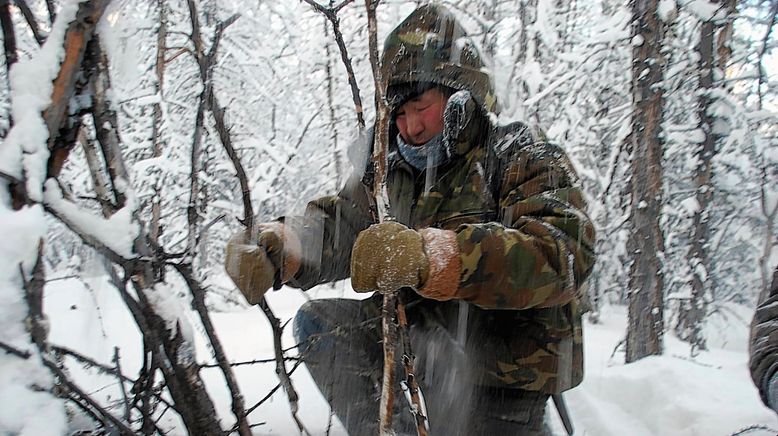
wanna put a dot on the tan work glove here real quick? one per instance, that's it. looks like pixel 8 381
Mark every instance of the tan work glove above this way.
pixel 387 257
pixel 256 267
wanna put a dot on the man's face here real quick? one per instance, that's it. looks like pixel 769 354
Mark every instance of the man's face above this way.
pixel 421 118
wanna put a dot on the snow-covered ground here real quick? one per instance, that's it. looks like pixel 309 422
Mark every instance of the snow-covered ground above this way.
pixel 674 394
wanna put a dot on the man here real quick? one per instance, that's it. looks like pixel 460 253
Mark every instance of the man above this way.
pixel 490 246
pixel 764 345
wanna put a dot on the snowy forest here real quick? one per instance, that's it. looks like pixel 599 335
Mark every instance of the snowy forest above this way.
pixel 139 135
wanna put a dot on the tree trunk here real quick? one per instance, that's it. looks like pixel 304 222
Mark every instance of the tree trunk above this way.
pixel 646 244
pixel 694 313
pixel 156 127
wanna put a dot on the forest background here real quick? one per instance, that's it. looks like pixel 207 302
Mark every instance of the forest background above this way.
pixel 135 134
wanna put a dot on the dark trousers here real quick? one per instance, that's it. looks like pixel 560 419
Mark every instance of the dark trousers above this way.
pixel 340 342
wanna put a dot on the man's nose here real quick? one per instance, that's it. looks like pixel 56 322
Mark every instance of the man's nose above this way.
pixel 414 125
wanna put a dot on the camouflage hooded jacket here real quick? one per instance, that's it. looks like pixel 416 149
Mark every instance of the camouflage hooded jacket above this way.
pixel 763 360
pixel 513 200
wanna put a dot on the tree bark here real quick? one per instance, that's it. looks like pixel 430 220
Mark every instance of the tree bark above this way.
pixel 78 34
pixel 646 244
pixel 9 38
pixel 106 123
pixel 699 253
pixel 157 122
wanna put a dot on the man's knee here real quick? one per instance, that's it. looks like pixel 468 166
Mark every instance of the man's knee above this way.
pixel 308 323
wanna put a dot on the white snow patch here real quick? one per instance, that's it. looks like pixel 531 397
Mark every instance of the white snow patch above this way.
pixel 703 9
pixel 170 307
pixel 666 10
pixel 117 232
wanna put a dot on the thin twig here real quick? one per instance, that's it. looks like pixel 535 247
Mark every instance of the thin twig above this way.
pixel 30 18
pixel 408 360
pixel 9 37
pixel 206 63
pixel 33 293
pixel 248 362
pixel 15 351
pixel 332 15
pixel 248 220
pixel 283 374
pixel 117 362
pixel 90 363
pixel 762 51
pixel 274 390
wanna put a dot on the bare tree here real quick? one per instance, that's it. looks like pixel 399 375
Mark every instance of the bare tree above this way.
pixel 646 243
pixel 693 314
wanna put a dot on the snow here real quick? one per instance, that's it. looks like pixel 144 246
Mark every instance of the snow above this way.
pixel 666 10
pixel 689 205
pixel 703 9
pixel 661 395
pixel 118 232
pixel 170 307
pixel 669 394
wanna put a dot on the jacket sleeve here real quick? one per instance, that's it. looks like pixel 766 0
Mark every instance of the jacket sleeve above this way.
pixel 541 251
pixel 763 360
pixel 327 232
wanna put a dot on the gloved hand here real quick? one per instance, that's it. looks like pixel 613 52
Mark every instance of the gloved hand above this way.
pixel 458 127
pixel 256 267
pixel 387 257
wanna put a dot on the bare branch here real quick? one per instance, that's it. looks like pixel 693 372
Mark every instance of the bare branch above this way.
pixel 127 406
pixel 88 238
pixel 107 418
pixel 762 51
pixel 9 38
pixel 106 123
pixel 35 319
pixel 198 301
pixel 332 16
pixel 15 351
pixel 196 163
pixel 155 229
pixel 226 140
pixel 90 363
pixel 52 11
pixel 78 34
pixel 248 362
pixel 272 391
pixel 98 173
pixel 30 18
pixel 207 100
pixel 210 101
pixel 408 360
pixel 389 311
pixel 281 371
